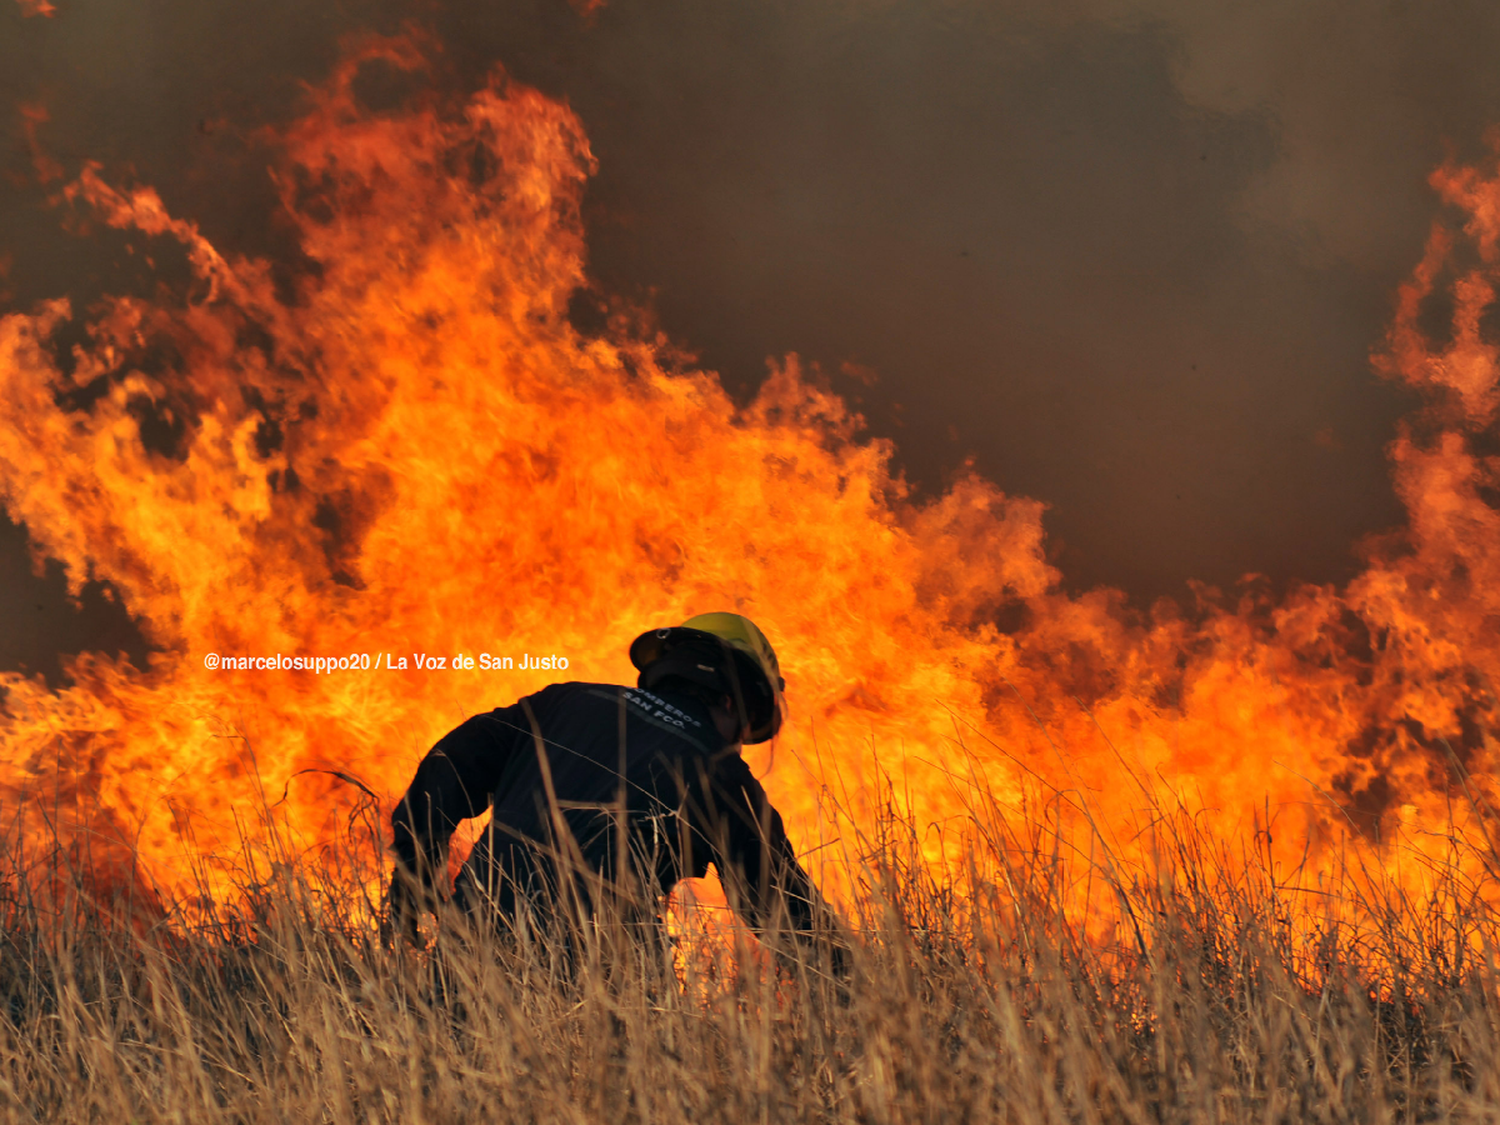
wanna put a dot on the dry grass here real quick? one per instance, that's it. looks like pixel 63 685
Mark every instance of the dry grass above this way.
pixel 1223 1003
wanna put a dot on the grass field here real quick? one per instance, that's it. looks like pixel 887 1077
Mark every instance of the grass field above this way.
pixel 1225 1001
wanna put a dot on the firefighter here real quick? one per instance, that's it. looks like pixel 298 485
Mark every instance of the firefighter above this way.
pixel 605 793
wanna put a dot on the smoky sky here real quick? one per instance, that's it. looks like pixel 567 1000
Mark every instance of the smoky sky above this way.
pixel 1128 258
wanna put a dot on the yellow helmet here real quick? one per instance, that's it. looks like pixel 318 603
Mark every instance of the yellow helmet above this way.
pixel 723 652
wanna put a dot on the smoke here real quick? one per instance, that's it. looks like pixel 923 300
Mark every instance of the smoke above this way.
pixel 1127 257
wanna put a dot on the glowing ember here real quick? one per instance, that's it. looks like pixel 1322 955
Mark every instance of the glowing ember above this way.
pixel 418 457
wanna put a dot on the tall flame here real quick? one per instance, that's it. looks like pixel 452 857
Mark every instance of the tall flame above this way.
pixel 409 450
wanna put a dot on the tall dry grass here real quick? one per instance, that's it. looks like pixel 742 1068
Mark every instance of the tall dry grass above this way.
pixel 1223 1000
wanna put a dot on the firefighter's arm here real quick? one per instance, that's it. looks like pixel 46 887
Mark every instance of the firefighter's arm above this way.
pixel 455 781
pixel 759 868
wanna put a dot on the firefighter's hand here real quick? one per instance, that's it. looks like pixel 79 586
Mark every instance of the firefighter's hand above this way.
pixel 404 903
pixel 841 968
pixel 840 962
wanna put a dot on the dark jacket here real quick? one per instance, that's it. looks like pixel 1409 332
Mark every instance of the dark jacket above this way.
pixel 553 782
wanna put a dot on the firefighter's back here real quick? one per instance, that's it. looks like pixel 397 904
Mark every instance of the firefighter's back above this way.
pixel 595 768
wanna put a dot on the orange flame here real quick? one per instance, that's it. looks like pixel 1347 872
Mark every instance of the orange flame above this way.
pixel 415 454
